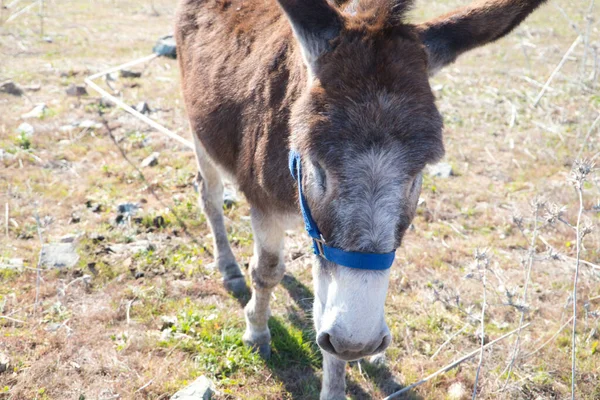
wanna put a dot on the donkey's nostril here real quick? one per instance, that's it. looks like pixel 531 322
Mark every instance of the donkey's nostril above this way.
pixel 324 342
pixel 385 342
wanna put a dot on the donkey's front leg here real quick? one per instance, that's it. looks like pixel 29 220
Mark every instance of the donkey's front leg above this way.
pixel 266 271
pixel 334 378
pixel 210 188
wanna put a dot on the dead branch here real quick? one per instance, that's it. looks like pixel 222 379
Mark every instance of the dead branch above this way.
pixel 558 67
pixel 453 364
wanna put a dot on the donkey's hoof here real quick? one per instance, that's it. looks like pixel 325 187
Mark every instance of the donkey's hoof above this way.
pixel 263 350
pixel 237 286
pixel 260 342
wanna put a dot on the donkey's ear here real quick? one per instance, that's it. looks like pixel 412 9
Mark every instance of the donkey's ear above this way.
pixel 450 35
pixel 314 23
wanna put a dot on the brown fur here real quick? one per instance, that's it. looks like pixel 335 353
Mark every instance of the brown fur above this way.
pixel 242 74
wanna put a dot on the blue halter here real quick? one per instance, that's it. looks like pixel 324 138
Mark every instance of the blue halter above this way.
pixel 350 259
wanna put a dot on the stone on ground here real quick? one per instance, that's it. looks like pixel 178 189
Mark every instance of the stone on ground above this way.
pixel 142 107
pixel 59 255
pixel 166 47
pixel 125 73
pixel 16 264
pixel 11 88
pixel 150 161
pixel 76 90
pixel 26 129
pixel 201 389
pixel 457 391
pixel 441 170
pixel 38 112
pixel 4 363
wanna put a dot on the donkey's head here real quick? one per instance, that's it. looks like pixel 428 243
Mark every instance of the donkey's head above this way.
pixel 365 127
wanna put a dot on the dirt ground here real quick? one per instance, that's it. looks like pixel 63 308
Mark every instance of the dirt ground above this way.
pixel 142 312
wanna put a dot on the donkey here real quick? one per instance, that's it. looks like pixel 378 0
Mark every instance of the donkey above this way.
pixel 339 91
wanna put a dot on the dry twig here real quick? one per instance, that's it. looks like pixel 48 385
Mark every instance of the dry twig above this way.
pixel 549 340
pixel 12 319
pixel 449 340
pixel 537 206
pixel 580 172
pixel 453 364
pixel 6 214
pixel 481 259
pixel 39 264
pixel 587 136
pixel 558 67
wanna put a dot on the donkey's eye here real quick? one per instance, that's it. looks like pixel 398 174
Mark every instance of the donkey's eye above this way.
pixel 320 176
pixel 416 184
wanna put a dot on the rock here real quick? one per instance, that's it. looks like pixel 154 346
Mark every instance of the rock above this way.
pixel 47 39
pixel 150 161
pixel 167 321
pixel 59 255
pixel 457 391
pixel 201 389
pixel 97 238
pixel 67 128
pixel 26 129
pixel 441 170
pixel 166 47
pixel 53 327
pixel 69 74
pixel 33 88
pixel 13 263
pixel 127 208
pixel 4 362
pixel 76 90
pixel 11 88
pixel 69 238
pixel 130 74
pixel 4 155
pixel 125 211
pixel 92 267
pixel 133 248
pixel 142 107
pixel 105 103
pixel 38 112
pixel 89 124
pixel 166 335
pixel 404 283
pixel 94 207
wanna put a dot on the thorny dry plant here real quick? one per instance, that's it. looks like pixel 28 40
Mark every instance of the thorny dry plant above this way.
pixel 579 174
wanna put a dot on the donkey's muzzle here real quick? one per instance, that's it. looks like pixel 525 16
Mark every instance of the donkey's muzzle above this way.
pixel 345 349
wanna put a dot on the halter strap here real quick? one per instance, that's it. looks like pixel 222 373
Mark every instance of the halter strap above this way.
pixel 350 259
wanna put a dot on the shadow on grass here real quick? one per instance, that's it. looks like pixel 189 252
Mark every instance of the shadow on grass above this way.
pixel 380 375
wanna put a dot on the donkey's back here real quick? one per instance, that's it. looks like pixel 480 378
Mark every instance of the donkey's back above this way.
pixel 240 77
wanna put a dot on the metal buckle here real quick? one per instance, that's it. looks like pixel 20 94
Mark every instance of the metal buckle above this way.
pixel 320 242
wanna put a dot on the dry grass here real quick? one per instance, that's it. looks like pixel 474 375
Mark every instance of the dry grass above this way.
pixel 505 154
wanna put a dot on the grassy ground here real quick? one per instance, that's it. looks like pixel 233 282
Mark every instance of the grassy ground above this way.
pixel 97 330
